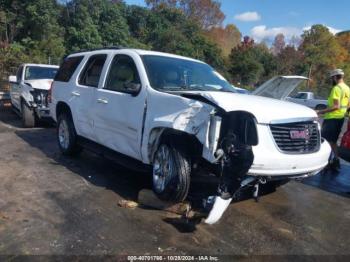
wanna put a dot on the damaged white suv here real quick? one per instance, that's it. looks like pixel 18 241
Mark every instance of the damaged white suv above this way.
pixel 179 116
pixel 29 90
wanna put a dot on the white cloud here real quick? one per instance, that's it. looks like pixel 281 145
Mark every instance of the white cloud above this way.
pixel 262 32
pixel 248 17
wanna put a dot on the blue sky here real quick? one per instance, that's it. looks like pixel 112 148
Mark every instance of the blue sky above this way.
pixel 263 19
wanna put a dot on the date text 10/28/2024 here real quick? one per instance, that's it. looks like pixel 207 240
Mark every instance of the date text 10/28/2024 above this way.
pixel 172 258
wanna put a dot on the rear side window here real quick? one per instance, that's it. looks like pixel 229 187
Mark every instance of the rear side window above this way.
pixel 67 68
pixel 90 76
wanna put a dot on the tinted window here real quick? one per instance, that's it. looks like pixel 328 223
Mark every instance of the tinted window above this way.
pixel 67 68
pixel 301 96
pixel 39 72
pixel 175 74
pixel 90 76
pixel 122 71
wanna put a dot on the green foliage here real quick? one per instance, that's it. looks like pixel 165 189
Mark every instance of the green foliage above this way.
pixel 168 30
pixel 250 64
pixel 30 31
pixel 9 58
pixel 43 31
pixel 322 53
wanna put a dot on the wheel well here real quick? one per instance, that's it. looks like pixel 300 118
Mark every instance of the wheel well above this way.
pixel 62 108
pixel 188 144
pixel 320 106
pixel 23 101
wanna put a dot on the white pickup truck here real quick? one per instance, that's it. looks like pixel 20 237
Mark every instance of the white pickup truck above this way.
pixel 308 99
pixel 29 90
pixel 179 117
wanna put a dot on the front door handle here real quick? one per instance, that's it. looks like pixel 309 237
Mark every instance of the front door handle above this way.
pixel 102 101
pixel 75 93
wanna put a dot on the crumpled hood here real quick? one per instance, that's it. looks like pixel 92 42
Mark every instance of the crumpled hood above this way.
pixel 43 84
pixel 264 109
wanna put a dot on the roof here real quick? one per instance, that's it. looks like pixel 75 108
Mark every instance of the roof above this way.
pixel 138 51
pixel 40 65
pixel 296 77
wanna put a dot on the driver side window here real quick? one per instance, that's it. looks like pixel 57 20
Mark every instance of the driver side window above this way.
pixel 122 72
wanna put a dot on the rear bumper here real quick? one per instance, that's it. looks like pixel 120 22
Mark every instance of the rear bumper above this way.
pixel 269 161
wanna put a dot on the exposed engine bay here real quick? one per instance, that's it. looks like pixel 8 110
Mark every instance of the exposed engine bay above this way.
pixel 235 157
pixel 40 102
pixel 238 135
pixel 40 97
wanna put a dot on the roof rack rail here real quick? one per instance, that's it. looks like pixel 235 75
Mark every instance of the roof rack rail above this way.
pixel 100 48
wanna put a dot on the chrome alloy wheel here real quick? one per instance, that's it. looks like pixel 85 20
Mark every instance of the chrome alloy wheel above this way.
pixel 163 168
pixel 63 134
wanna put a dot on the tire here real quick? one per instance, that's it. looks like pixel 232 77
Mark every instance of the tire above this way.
pixel 28 116
pixel 320 107
pixel 171 174
pixel 67 136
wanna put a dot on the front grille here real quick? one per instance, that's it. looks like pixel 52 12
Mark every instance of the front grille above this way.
pixel 297 138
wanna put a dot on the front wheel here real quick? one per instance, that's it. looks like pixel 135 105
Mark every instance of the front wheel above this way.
pixel 66 135
pixel 28 116
pixel 171 174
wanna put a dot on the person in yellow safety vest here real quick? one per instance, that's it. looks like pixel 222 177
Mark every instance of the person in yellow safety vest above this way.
pixel 334 114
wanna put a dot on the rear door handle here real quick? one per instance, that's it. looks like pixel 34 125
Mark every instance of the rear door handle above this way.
pixel 75 93
pixel 102 101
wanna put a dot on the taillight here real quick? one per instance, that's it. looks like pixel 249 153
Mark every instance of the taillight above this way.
pixel 49 95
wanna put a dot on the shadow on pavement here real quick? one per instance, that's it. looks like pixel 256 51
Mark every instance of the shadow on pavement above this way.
pixel 93 168
pixel 334 183
pixel 13 120
pixel 9 117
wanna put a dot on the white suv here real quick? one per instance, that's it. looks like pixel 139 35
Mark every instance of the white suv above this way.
pixel 179 117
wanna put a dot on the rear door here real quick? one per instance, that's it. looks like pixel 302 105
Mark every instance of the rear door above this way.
pixel 83 93
pixel 118 116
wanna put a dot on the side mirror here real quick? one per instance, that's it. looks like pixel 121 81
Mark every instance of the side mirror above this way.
pixel 132 88
pixel 12 79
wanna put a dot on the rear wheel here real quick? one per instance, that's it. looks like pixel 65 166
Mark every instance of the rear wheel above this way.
pixel 320 107
pixel 28 116
pixel 171 174
pixel 66 135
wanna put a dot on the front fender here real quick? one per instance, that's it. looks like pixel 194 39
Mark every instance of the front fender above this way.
pixel 194 119
pixel 26 96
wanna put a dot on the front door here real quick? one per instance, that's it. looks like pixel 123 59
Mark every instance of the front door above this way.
pixel 118 116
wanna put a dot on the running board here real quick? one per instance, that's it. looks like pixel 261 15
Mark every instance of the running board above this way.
pixel 112 155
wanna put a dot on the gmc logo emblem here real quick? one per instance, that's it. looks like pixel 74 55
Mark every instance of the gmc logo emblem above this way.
pixel 300 134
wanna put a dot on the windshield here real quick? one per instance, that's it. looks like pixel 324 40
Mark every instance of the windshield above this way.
pixel 39 72
pixel 174 74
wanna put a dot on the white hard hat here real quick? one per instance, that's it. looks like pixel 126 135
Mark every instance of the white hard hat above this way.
pixel 337 72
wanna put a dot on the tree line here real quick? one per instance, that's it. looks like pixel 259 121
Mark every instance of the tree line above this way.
pixel 44 31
